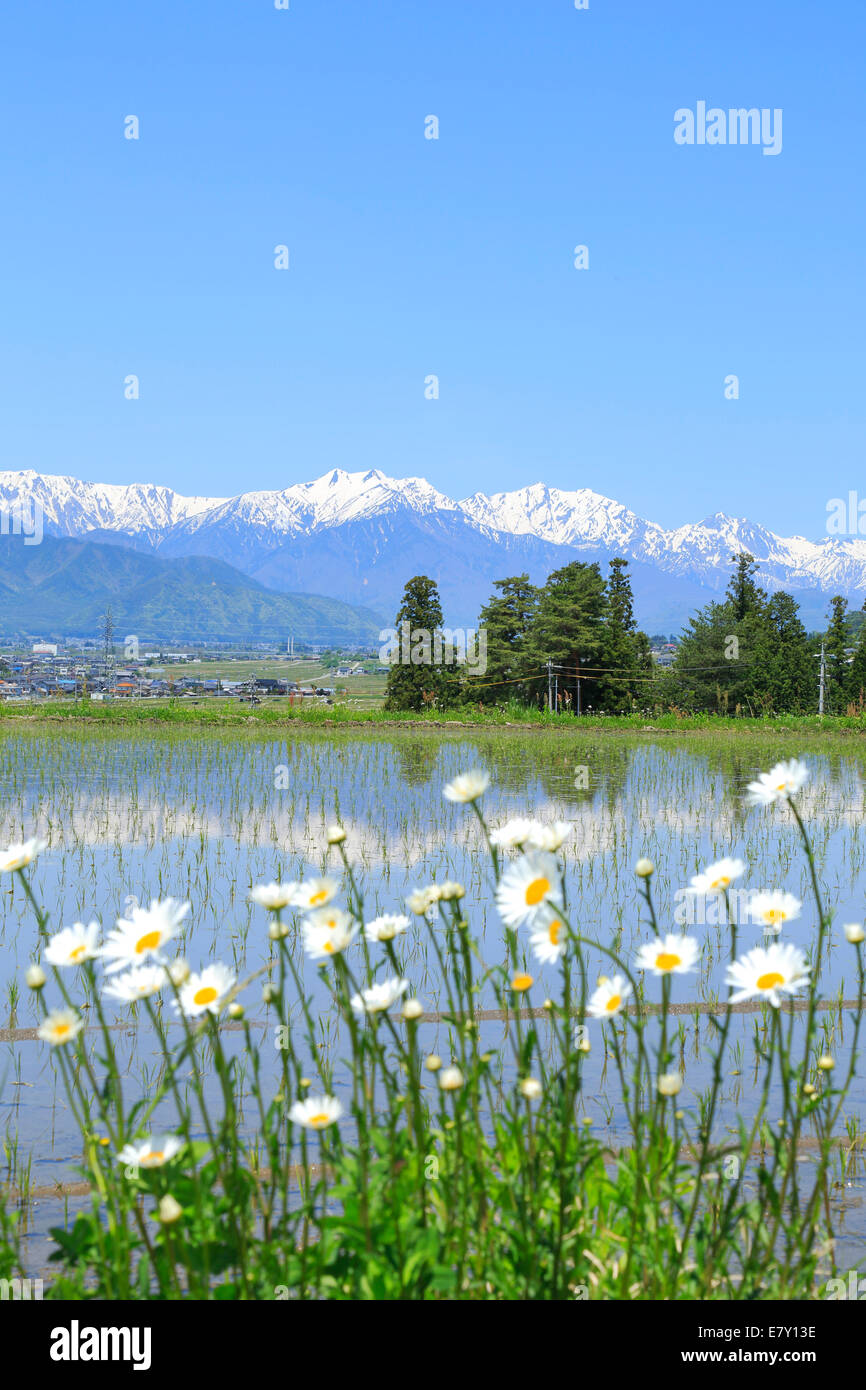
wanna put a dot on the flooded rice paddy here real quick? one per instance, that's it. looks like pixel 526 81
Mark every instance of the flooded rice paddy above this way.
pixel 203 818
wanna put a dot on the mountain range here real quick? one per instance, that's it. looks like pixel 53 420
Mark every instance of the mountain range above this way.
pixel 357 537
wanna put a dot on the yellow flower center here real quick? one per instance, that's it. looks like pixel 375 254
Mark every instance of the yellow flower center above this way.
pixel 613 1003
pixel 553 931
pixel 155 1156
pixel 536 891
pixel 149 942
pixel 774 914
pixel 205 996
pixel 328 946
pixel 666 961
pixel 521 982
pixel 77 953
pixel 319 897
pixel 319 1121
pixel 60 1030
pixel 721 882
pixel 771 980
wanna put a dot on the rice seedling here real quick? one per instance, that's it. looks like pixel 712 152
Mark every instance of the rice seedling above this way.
pixel 440 1101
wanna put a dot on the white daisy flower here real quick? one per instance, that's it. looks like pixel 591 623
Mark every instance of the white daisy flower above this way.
pixel 143 934
pixel 526 887
pixel 329 936
pixel 18 856
pixel 138 983
pixel 771 910
pixel 513 834
pixel 548 837
pixel 675 955
pixel 329 919
pixel 379 997
pixel 782 781
pixel 610 998
pixel 274 896
pixel 316 1112
pixel 549 940
pixel 205 992
pixel 385 928
pixel 768 972
pixel 73 945
pixel 315 892
pixel 150 1153
pixel 449 891
pixel 717 877
pixel 61 1026
pixel 422 899
pixel 467 787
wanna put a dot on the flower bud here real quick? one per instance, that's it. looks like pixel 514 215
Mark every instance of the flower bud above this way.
pixel 35 977
pixel 236 1010
pixel 413 1008
pixel 336 834
pixel 854 933
pixel 531 1088
pixel 170 1210
pixel 178 972
pixel 433 1062
pixel 670 1083
pixel 644 868
pixel 826 1063
pixel 451 1079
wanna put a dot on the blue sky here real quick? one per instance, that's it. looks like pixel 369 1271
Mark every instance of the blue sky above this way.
pixel 412 257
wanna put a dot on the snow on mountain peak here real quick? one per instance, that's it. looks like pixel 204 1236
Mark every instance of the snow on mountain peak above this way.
pixel 245 528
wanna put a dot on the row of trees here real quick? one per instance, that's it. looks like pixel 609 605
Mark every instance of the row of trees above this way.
pixel 573 644
pixel 750 653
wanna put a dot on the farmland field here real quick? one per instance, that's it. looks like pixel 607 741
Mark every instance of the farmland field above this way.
pixel 203 817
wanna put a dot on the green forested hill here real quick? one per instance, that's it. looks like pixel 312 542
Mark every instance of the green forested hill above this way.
pixel 63 586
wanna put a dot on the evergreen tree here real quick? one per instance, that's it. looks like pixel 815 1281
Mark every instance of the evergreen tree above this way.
pixel 744 596
pixel 857 669
pixel 837 641
pixel 506 621
pixel 569 631
pixel 416 679
pixel 626 652
pixel 792 677
pixel 725 654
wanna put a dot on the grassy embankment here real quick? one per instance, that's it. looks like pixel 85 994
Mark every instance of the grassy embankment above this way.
pixel 210 713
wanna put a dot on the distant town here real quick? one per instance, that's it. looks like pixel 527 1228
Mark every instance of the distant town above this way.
pixel 85 668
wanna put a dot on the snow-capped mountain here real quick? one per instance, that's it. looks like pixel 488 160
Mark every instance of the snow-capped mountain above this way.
pixel 360 536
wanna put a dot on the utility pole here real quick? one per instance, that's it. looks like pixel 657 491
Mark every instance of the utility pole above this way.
pixel 550 685
pixel 108 650
pixel 556 692
pixel 821 682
